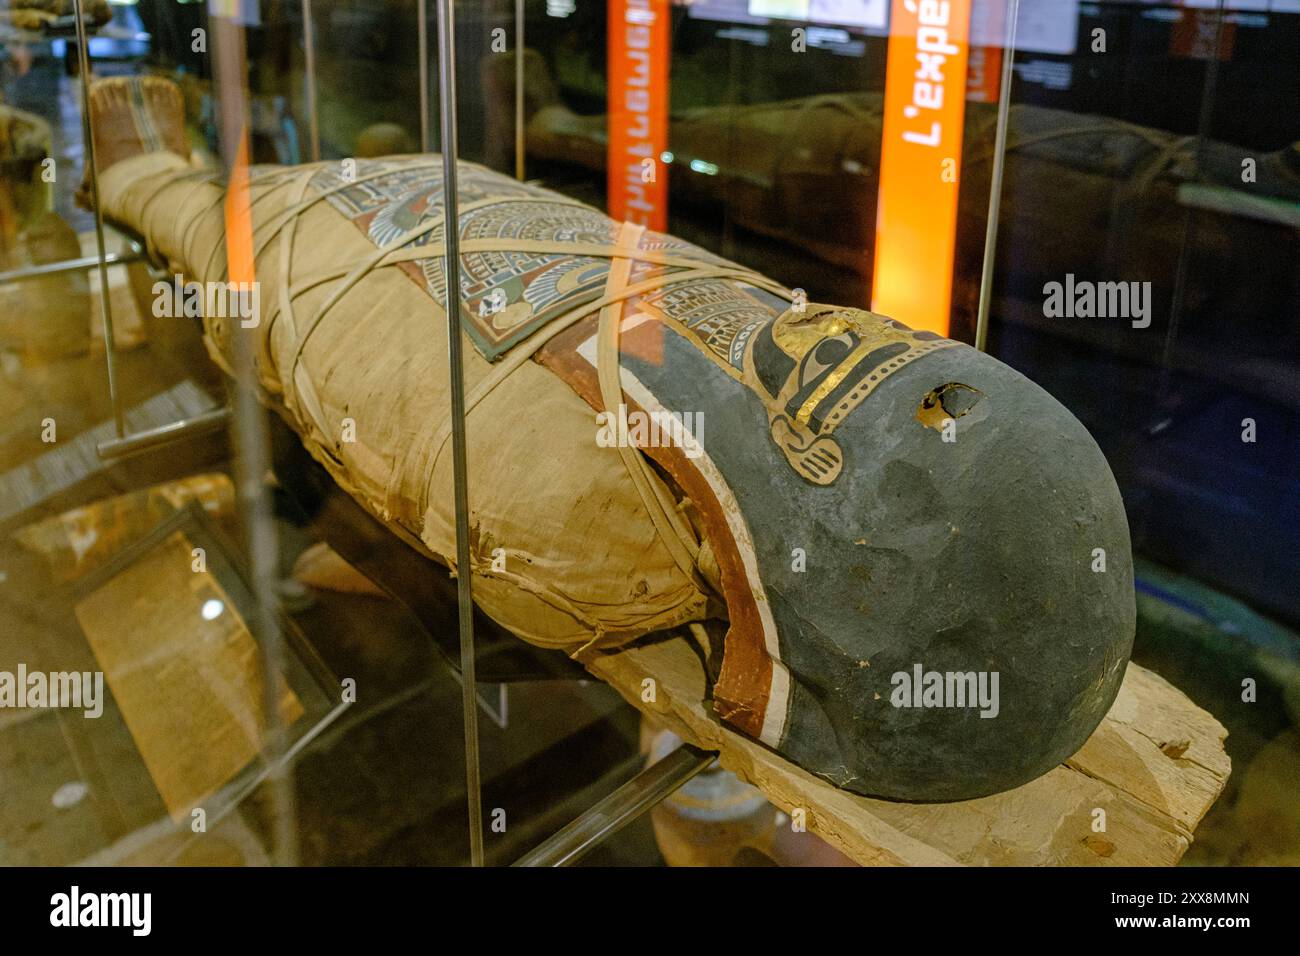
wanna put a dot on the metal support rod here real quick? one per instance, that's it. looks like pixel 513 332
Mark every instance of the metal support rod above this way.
pixel 309 82
pixel 422 38
pixel 995 185
pixel 70 265
pixel 151 438
pixel 1190 219
pixel 456 373
pixel 92 167
pixel 519 90
pixel 620 808
pixel 252 447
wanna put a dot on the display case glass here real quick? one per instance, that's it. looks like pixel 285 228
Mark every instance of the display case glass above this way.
pixel 779 346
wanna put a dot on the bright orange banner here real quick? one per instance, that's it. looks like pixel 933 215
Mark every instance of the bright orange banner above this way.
pixel 639 32
pixel 984 77
pixel 239 219
pixel 920 161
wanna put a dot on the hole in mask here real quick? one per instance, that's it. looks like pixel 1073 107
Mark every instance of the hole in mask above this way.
pixel 950 400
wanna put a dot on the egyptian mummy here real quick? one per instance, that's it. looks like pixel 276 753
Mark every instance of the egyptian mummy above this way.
pixel 898 535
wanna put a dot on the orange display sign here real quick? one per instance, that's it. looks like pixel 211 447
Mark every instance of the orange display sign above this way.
pixel 984 62
pixel 1198 35
pixel 920 161
pixel 984 76
pixel 239 219
pixel 639 32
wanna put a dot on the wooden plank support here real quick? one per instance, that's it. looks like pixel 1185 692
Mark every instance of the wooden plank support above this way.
pixel 1154 767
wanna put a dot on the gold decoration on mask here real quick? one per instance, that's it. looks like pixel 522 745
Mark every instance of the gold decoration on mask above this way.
pixel 809 447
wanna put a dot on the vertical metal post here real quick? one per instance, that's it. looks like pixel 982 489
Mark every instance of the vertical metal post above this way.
pixel 451 273
pixel 1190 218
pixel 519 90
pixel 253 453
pixel 995 186
pixel 422 35
pixel 309 87
pixel 92 167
